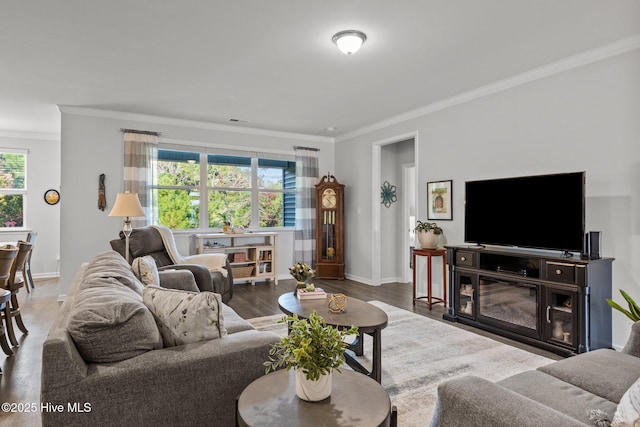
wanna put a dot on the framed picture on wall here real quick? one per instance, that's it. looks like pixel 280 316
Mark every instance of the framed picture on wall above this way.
pixel 439 195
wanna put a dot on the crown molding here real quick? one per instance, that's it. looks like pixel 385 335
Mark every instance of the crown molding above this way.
pixel 168 121
pixel 607 51
pixel 30 135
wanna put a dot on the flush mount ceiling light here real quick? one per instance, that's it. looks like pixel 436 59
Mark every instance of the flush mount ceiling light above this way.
pixel 349 41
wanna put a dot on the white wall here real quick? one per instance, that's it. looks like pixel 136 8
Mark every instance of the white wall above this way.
pixel 585 118
pixel 92 144
pixel 43 173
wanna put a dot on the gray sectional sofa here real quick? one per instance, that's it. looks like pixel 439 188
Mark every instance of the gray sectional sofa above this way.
pixel 563 393
pixel 136 381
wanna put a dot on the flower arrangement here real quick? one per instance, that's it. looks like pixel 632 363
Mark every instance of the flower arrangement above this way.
pixel 301 272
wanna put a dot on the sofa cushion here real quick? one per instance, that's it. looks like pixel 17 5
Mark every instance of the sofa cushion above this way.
pixel 109 322
pixel 178 279
pixel 604 372
pixel 145 269
pixel 559 395
pixel 185 317
pixel 628 412
pixel 233 323
pixel 110 264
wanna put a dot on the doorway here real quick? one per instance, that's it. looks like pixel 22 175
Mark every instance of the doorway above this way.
pixel 394 160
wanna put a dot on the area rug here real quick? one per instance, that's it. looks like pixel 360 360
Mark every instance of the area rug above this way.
pixel 418 353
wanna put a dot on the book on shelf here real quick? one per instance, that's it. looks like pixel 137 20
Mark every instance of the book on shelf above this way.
pixel 319 293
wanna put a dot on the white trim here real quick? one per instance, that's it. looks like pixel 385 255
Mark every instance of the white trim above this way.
pixel 120 115
pixel 14 151
pixel 613 49
pixel 185 144
pixel 30 135
pixel 359 279
pixel 406 272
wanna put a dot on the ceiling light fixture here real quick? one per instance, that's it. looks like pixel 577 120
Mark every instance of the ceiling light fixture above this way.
pixel 349 41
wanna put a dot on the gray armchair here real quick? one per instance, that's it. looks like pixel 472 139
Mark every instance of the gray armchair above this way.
pixel 147 241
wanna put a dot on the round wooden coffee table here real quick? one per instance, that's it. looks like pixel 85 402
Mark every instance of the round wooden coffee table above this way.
pixel 355 400
pixel 368 318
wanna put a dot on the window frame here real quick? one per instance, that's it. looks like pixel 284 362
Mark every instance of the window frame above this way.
pixel 17 191
pixel 204 188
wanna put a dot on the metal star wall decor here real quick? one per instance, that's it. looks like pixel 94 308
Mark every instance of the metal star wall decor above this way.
pixel 388 194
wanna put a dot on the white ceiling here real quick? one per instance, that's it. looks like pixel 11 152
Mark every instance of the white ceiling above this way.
pixel 272 62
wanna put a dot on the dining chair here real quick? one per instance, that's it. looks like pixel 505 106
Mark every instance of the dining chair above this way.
pixel 7 256
pixel 26 270
pixel 13 285
pixel 5 297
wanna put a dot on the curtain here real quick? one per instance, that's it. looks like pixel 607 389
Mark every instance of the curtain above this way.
pixel 306 179
pixel 140 160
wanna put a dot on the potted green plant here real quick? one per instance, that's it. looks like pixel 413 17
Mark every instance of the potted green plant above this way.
pixel 313 349
pixel 632 313
pixel 428 234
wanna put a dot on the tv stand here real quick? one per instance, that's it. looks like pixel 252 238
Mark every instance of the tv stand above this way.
pixel 553 302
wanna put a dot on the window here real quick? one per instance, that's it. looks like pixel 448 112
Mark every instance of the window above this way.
pixel 13 188
pixel 204 190
pixel 178 189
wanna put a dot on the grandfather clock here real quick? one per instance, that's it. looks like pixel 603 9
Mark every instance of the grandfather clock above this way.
pixel 329 228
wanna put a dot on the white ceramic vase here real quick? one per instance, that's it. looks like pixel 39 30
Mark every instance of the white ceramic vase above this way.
pixel 313 391
pixel 428 240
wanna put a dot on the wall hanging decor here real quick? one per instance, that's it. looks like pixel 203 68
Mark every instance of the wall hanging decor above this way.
pixel 102 198
pixel 51 197
pixel 388 194
pixel 439 195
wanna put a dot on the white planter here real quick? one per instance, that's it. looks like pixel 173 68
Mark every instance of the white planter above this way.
pixel 312 391
pixel 428 240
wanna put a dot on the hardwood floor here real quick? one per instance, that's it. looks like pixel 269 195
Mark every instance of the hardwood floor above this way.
pixel 20 381
pixel 262 300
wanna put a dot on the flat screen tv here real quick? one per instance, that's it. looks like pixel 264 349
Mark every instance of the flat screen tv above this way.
pixel 543 211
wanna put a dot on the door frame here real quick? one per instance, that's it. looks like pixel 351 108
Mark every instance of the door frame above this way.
pixel 406 225
pixel 376 176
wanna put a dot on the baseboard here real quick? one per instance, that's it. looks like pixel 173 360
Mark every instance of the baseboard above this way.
pixel 359 279
pixel 51 275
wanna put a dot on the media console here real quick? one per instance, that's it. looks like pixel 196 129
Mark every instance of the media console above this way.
pixel 556 303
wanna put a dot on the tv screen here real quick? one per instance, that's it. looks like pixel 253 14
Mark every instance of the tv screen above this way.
pixel 544 211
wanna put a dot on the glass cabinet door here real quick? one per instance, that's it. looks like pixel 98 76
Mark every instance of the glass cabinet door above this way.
pixel 466 291
pixel 560 316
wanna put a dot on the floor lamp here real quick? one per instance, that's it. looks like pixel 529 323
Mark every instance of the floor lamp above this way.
pixel 127 205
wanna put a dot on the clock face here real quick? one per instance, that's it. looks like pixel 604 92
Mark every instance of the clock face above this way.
pixel 329 199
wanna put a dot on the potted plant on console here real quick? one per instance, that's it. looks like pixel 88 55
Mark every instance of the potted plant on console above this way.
pixel 313 349
pixel 428 234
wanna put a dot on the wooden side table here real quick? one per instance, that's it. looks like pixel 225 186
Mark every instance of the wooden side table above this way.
pixel 355 400
pixel 430 253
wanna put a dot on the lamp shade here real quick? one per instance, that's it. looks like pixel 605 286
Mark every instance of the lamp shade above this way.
pixel 127 204
pixel 349 41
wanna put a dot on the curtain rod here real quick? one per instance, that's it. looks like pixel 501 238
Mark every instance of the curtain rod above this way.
pixel 296 147
pixel 143 132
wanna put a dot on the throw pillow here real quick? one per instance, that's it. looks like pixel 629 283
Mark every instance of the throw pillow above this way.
pixel 185 317
pixel 146 270
pixel 628 411
pixel 109 323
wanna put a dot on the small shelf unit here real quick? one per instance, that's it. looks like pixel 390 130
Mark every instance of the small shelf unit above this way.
pixel 252 255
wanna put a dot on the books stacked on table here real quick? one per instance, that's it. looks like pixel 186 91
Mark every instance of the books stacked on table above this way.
pixel 319 293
